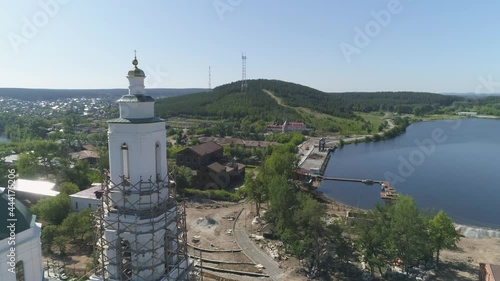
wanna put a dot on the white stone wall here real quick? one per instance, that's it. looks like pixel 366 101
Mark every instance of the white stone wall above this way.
pixel 134 110
pixel 29 250
pixel 141 140
pixel 83 203
pixel 136 86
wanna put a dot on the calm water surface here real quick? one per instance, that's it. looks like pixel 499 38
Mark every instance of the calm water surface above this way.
pixel 458 169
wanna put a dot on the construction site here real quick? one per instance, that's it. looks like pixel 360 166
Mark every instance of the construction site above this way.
pixel 145 221
pixel 226 241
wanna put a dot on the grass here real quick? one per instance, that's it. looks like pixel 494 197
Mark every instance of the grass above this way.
pixel 376 118
pixel 328 123
pixel 438 117
pixel 250 168
pixel 221 195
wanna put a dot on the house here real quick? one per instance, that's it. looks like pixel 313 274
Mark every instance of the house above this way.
pixel 238 142
pixel 88 198
pixel 301 174
pixel 212 171
pixel 11 159
pixel 468 114
pixel 489 272
pixel 34 190
pixel 88 153
pixel 199 156
pixel 288 127
pixel 294 127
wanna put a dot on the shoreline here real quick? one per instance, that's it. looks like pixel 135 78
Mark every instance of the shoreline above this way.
pixel 474 230
pixel 466 230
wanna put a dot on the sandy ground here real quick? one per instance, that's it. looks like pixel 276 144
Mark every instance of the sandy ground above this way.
pixel 463 263
pixel 211 220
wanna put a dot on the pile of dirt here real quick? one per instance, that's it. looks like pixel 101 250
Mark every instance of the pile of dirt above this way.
pixel 206 222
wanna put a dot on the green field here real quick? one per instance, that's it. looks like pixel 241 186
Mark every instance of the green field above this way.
pixel 376 118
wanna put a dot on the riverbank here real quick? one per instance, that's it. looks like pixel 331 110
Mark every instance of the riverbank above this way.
pixel 432 181
pixel 468 231
pixel 461 263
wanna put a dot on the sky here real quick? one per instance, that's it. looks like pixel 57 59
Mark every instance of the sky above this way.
pixel 331 45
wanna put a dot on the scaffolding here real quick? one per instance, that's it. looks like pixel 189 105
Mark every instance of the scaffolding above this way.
pixel 141 232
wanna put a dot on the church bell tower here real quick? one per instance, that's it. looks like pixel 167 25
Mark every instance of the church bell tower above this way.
pixel 142 234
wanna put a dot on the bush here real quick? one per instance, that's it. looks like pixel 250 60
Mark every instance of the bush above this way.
pixel 221 195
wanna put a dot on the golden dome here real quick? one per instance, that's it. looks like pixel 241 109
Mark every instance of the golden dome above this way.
pixel 135 71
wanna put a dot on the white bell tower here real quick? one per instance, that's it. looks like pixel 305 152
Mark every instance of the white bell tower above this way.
pixel 142 230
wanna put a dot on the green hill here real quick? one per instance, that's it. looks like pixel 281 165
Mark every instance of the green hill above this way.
pixel 276 101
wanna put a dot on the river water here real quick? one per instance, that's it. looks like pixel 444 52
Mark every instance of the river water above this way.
pixel 453 165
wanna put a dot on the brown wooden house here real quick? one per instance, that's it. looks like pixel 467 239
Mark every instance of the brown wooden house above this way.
pixel 199 156
pixel 206 160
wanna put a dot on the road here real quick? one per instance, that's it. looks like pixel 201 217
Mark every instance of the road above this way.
pixel 256 255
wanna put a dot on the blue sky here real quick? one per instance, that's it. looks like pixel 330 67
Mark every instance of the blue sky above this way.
pixel 426 45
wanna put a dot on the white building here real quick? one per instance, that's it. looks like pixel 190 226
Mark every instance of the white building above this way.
pixel 89 198
pixel 20 246
pixel 142 236
pixel 469 114
pixel 34 189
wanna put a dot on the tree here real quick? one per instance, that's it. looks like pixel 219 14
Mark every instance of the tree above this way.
pixel 408 231
pixel 282 202
pixel 78 173
pixel 61 242
pixel 183 177
pixel 281 163
pixel 372 230
pixel 78 225
pixel 4 177
pixel 256 190
pixel 49 233
pixel 53 209
pixel 27 166
pixel 442 233
pixel 395 231
pixel 47 153
pixel 68 188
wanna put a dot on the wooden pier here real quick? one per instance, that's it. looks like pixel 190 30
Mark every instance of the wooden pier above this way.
pixel 387 192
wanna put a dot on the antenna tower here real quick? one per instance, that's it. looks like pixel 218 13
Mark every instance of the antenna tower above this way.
pixel 209 80
pixel 244 84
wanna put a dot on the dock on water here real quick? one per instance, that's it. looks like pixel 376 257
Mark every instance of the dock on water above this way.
pixel 314 157
pixel 387 192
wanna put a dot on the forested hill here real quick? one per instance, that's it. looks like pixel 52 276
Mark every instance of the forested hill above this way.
pixel 50 94
pixel 227 101
pixel 403 102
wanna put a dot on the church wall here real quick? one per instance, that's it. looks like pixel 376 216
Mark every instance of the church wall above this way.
pixel 28 250
pixel 141 145
pixel 136 110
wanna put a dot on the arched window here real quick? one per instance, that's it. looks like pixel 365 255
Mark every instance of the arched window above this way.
pixel 158 160
pixel 126 259
pixel 125 161
pixel 20 271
